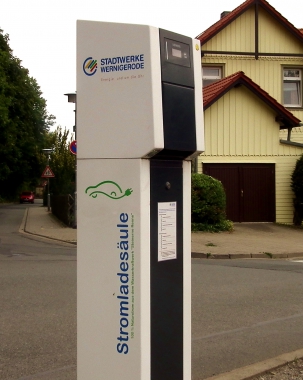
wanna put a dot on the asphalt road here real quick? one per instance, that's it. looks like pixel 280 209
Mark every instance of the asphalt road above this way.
pixel 243 311
pixel 37 304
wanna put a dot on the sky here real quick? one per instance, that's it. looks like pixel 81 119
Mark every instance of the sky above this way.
pixel 43 34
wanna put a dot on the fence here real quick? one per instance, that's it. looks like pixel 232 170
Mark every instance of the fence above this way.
pixel 63 208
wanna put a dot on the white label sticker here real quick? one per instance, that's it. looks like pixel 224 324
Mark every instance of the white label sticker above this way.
pixel 167 228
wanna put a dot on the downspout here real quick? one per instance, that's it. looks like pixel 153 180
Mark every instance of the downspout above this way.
pixel 257 30
pixel 289 129
pixel 196 165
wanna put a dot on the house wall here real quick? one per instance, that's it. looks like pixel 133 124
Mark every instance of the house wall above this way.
pixel 236 36
pixel 267 72
pixel 239 36
pixel 296 135
pixel 274 38
pixel 240 128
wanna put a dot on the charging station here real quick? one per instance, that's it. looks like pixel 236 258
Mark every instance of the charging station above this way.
pixel 139 125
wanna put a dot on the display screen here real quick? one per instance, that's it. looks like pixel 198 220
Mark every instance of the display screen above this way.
pixel 177 52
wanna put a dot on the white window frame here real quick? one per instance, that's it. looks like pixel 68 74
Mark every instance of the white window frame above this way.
pixel 212 78
pixel 292 76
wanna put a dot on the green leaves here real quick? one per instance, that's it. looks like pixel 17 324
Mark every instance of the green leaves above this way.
pixel 62 162
pixel 24 122
pixel 208 204
pixel 297 187
pixel 297 179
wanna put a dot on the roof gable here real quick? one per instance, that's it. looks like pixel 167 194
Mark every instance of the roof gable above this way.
pixel 215 91
pixel 230 17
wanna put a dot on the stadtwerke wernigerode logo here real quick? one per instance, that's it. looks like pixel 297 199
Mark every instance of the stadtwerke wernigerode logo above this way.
pixel 90 66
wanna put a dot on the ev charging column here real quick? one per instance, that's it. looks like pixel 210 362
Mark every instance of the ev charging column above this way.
pixel 139 120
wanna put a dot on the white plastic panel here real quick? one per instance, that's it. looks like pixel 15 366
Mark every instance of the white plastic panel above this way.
pixel 119 101
pixel 198 96
pixel 113 269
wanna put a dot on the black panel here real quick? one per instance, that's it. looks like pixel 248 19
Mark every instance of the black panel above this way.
pixel 178 119
pixel 177 52
pixel 178 96
pixel 166 277
pixel 174 70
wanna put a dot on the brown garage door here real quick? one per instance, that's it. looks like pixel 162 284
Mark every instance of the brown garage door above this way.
pixel 250 190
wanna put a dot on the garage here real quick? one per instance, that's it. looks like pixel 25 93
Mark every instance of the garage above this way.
pixel 249 188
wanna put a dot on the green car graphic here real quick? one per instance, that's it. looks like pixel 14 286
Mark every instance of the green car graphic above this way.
pixel 108 188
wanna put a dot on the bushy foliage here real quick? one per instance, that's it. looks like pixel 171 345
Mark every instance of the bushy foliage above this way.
pixel 24 121
pixel 297 187
pixel 62 162
pixel 208 204
pixel 225 225
pixel 208 199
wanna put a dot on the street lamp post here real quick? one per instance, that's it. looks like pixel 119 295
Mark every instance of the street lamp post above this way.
pixel 72 98
pixel 48 152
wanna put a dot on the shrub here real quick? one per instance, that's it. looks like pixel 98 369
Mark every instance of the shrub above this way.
pixel 297 187
pixel 225 225
pixel 208 204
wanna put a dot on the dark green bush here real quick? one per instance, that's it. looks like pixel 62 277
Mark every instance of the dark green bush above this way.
pixel 297 187
pixel 208 202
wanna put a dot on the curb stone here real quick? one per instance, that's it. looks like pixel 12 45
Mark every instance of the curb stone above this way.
pixel 23 223
pixel 220 256
pixel 261 256
pixel 199 255
pixel 257 369
pixel 295 254
pixel 280 256
pixel 202 255
pixel 240 256
pixel 23 230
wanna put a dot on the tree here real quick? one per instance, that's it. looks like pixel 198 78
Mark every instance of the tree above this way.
pixel 62 162
pixel 297 187
pixel 24 122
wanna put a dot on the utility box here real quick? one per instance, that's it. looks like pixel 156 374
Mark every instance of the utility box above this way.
pixel 139 125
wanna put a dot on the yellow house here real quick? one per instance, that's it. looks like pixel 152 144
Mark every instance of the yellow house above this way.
pixel 252 62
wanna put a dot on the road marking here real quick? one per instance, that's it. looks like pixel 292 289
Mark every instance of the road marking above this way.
pixel 256 325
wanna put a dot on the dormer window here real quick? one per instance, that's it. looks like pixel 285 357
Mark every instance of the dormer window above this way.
pixel 292 87
pixel 211 74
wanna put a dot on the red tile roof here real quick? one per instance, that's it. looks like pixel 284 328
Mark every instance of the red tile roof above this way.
pixel 214 91
pixel 222 23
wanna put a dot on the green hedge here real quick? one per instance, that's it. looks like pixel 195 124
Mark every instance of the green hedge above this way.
pixel 297 187
pixel 208 202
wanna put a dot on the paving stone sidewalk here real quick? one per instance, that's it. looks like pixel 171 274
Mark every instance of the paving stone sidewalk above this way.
pixel 248 240
pixel 40 222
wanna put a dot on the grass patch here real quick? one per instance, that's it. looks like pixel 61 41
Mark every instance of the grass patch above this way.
pixel 268 254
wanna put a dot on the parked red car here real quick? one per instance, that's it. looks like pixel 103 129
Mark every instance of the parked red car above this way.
pixel 27 196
